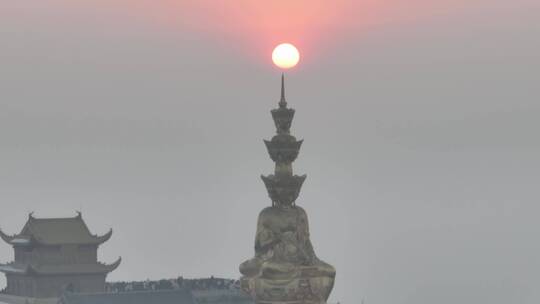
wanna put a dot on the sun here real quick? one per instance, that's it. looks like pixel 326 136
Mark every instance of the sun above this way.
pixel 285 56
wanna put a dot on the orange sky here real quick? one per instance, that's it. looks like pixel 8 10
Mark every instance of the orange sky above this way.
pixel 251 25
pixel 420 120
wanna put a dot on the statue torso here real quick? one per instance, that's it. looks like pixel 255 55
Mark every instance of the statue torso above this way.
pixel 283 236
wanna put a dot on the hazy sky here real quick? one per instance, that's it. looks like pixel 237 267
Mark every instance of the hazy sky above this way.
pixel 420 121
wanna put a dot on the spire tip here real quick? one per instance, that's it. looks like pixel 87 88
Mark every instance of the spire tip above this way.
pixel 282 102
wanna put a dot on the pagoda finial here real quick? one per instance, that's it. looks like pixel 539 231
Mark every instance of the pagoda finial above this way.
pixel 283 187
pixel 282 101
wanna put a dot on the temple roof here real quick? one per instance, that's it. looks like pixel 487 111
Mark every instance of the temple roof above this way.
pixel 60 268
pixel 55 231
pixel 180 296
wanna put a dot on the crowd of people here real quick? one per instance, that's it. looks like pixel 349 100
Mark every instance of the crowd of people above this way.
pixel 204 284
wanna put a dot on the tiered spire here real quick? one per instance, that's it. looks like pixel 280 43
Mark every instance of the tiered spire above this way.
pixel 283 187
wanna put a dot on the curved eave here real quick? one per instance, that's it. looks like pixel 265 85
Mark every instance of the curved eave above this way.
pixel 16 240
pixel 104 238
pixel 5 237
pixel 112 267
pixel 11 269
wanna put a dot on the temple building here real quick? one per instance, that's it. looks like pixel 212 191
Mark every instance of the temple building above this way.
pixel 53 255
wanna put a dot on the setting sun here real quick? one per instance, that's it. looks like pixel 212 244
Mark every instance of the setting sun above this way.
pixel 285 56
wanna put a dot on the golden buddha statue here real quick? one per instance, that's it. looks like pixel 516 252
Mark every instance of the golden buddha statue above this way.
pixel 285 268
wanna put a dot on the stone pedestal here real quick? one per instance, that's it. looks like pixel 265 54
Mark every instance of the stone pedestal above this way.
pixel 299 290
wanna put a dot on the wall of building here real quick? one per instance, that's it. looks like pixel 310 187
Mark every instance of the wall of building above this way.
pixel 24 255
pixel 20 285
pixel 53 286
pixel 87 254
pixel 64 254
